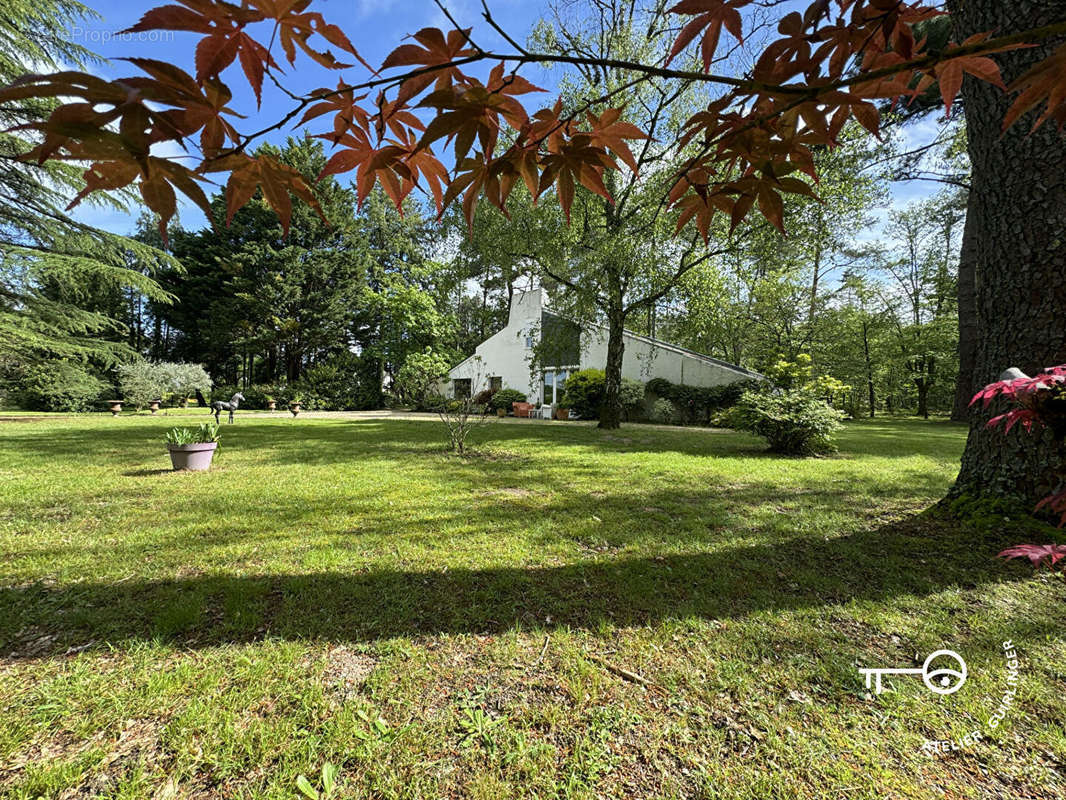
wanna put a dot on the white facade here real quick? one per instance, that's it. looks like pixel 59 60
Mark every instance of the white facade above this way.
pixel 503 360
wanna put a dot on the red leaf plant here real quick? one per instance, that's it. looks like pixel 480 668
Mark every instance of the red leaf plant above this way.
pixel 1039 402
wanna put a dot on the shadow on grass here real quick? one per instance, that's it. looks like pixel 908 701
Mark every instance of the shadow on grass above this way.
pixel 918 557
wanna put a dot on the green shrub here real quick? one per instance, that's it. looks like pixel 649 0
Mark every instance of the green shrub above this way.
pixel 224 392
pixel 505 397
pixel 663 411
pixel 59 385
pixel 789 374
pixel 417 379
pixel 631 393
pixel 584 392
pixel 142 382
pixel 697 404
pixel 435 401
pixel 344 382
pixel 257 396
pixel 793 422
pixel 182 380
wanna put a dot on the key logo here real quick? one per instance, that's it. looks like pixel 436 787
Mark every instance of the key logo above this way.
pixel 936 675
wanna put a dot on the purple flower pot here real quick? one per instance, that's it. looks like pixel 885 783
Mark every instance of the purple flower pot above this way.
pixel 192 456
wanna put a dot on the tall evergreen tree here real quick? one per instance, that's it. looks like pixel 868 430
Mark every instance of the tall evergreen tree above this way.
pixel 53 269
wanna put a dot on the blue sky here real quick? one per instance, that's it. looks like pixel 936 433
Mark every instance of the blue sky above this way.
pixel 375 28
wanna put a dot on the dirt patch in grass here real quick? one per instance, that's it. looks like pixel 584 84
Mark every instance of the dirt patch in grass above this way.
pixel 346 670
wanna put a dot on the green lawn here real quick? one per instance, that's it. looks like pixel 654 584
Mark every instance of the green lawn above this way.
pixel 343 591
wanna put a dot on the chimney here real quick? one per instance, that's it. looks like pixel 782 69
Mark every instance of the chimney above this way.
pixel 526 306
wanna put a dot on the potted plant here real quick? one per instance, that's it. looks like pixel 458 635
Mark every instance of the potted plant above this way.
pixel 153 405
pixel 562 413
pixel 272 404
pixel 192 448
pixel 115 407
pixel 295 404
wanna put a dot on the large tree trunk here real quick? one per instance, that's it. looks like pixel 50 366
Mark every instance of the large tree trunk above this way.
pixel 1019 240
pixel 611 411
pixel 968 332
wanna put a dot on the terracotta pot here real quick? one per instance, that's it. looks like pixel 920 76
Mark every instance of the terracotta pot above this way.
pixel 501 412
pixel 272 405
pixel 153 406
pixel 294 408
pixel 116 406
pixel 562 413
pixel 195 457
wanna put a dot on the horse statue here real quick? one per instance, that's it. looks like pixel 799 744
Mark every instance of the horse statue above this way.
pixel 219 406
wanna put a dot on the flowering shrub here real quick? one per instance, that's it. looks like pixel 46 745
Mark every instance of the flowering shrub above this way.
pixel 1039 402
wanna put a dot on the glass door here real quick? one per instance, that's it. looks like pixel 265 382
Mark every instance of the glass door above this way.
pixel 554 386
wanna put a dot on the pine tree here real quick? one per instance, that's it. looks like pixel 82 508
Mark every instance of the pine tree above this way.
pixel 51 266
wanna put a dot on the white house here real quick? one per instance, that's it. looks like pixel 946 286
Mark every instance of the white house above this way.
pixel 504 359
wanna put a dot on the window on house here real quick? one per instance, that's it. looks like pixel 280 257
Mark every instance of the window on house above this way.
pixel 547 397
pixel 529 343
pixel 461 388
pixel 495 383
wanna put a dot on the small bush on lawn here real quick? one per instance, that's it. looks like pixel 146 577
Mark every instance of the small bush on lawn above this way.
pixel 664 412
pixel 584 392
pixel 793 422
pixel 143 382
pixel 58 386
pixel 504 398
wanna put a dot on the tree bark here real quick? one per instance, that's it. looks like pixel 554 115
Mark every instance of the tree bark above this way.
pixel 1019 240
pixel 611 410
pixel 968 332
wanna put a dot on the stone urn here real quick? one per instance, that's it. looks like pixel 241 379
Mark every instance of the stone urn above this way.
pixel 272 405
pixel 194 457
pixel 154 405
pixel 115 407
pixel 562 413
pixel 294 407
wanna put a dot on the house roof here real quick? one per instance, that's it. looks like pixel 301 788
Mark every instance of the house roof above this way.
pixel 691 353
